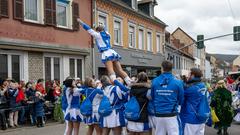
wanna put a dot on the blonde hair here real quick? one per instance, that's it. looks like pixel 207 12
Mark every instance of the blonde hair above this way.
pixel 221 84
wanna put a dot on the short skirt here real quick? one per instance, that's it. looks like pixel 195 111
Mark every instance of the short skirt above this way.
pixel 73 115
pixel 110 55
pixel 115 119
pixel 90 120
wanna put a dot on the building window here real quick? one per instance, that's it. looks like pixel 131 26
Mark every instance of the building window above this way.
pixel 132 36
pixel 151 10
pixel 52 68
pixel 134 4
pixel 149 41
pixel 56 68
pixel 72 67
pixel 63 14
pixel 117 31
pixel 141 39
pixel 76 67
pixel 3 66
pixel 158 43
pixel 33 10
pixel 102 19
pixel 10 65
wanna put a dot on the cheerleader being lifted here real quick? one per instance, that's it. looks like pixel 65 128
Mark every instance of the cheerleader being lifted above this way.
pixel 109 57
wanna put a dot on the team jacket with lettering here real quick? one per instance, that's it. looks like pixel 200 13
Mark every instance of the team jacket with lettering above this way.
pixel 167 93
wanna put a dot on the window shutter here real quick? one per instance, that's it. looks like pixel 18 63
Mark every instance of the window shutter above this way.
pixel 75 13
pixel 18 9
pixel 4 8
pixel 50 12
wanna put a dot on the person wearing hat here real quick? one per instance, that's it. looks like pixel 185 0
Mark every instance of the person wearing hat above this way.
pixel 222 101
pixel 109 57
pixel 39 110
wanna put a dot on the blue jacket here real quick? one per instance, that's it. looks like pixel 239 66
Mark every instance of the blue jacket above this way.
pixel 167 94
pixel 30 93
pixel 192 95
pixel 12 94
pixel 39 107
pixel 102 38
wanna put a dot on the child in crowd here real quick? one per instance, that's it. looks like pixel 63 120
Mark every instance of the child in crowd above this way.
pixel 12 94
pixel 95 96
pixel 71 107
pixel 39 110
pixel 30 94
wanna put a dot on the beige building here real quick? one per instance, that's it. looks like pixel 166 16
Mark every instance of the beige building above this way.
pixel 137 35
pixel 236 64
pixel 198 54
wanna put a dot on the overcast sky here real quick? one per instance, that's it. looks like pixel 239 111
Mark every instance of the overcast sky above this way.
pixel 208 17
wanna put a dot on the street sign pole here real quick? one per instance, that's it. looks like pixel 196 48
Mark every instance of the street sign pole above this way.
pixel 205 40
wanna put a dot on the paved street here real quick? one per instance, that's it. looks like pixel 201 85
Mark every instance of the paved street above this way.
pixel 58 129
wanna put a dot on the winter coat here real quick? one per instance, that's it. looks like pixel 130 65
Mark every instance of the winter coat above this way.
pixel 40 88
pixel 193 93
pixel 30 93
pixel 39 106
pixel 12 94
pixel 139 90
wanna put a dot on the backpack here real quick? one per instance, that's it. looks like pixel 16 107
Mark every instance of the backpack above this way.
pixel 86 106
pixel 203 111
pixel 105 107
pixel 132 109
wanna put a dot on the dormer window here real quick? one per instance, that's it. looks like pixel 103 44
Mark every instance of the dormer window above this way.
pixel 134 4
pixel 151 10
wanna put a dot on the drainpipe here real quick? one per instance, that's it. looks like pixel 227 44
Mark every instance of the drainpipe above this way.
pixel 94 10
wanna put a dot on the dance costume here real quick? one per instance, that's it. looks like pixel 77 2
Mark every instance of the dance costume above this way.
pixel 72 105
pixel 95 96
pixel 103 44
pixel 116 98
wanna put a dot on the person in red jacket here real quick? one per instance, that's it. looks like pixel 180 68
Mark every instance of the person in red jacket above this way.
pixel 40 87
pixel 57 89
pixel 21 99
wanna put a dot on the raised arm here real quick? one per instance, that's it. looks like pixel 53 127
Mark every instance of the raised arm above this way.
pixel 121 86
pixel 88 29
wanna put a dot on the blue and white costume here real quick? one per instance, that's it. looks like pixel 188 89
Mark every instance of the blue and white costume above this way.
pixel 167 94
pixel 116 98
pixel 71 107
pixel 95 96
pixel 103 44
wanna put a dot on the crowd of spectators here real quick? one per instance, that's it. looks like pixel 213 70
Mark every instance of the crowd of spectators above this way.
pixel 29 103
